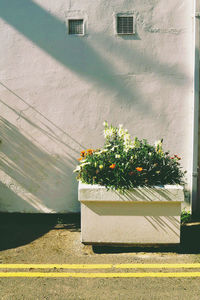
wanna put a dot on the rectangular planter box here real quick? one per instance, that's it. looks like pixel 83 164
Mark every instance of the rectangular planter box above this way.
pixel 140 216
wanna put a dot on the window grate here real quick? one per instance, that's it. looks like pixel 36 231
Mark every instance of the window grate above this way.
pixel 76 26
pixel 125 25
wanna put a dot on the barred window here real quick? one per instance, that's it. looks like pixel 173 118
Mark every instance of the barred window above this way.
pixel 76 26
pixel 125 25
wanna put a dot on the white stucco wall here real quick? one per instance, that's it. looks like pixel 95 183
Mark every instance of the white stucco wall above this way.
pixel 56 90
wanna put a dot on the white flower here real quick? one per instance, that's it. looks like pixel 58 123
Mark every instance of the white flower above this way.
pixel 77 169
pixel 101 151
pixel 84 164
pixel 108 132
pixel 120 132
pixel 104 150
pixel 117 155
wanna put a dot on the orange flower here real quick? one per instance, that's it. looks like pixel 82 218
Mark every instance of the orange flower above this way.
pixel 82 153
pixel 90 151
pixel 112 166
pixel 80 158
pixel 139 169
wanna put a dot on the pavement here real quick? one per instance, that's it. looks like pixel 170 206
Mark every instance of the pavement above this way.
pixel 41 257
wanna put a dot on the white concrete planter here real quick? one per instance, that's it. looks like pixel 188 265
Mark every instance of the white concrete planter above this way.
pixel 140 216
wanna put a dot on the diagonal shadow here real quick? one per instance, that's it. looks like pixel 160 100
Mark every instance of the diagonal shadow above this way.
pixel 80 56
pixel 48 132
pixel 21 115
pixel 39 179
pixel 49 33
pixel 142 63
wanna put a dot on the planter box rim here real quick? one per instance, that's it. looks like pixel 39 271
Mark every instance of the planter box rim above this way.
pixel 166 186
pixel 166 193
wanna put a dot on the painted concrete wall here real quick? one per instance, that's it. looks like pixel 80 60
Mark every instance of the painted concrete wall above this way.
pixel 56 90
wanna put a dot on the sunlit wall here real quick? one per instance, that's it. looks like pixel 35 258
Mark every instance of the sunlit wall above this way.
pixel 57 89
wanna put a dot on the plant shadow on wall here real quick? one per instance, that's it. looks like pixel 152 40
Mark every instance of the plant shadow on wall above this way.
pixel 78 54
pixel 31 176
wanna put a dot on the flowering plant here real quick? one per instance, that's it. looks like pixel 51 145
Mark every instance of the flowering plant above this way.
pixel 124 164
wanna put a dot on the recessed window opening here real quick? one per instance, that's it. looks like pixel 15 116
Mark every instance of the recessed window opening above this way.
pixel 76 26
pixel 125 25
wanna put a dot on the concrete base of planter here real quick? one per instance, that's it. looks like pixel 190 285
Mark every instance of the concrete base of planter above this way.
pixel 141 216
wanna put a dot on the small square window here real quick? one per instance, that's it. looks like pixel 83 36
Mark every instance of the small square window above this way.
pixel 125 25
pixel 76 26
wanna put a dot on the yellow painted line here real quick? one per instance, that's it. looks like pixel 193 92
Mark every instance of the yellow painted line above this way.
pixel 56 266
pixel 157 266
pixel 100 266
pixel 98 275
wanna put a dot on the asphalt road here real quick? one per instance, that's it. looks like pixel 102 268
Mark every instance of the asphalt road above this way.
pixel 56 240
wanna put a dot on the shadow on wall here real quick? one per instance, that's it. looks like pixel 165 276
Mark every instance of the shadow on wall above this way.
pixel 77 54
pixel 44 125
pixel 31 175
pixel 49 33
pixel 142 62
pixel 35 176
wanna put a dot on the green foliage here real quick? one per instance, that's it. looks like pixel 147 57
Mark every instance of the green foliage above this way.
pixel 123 164
pixel 186 216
